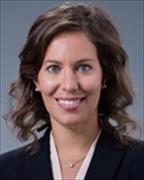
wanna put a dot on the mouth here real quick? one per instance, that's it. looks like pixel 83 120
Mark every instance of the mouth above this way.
pixel 70 103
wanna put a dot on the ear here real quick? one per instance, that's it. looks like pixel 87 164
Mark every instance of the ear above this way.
pixel 36 85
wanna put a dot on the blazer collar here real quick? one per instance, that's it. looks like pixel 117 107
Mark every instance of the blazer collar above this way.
pixel 104 165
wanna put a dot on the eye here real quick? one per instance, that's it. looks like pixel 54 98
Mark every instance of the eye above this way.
pixel 53 68
pixel 84 68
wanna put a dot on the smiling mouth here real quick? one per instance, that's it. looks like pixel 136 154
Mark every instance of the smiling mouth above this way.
pixel 70 104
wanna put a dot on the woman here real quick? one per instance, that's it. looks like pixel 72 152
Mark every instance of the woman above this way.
pixel 73 82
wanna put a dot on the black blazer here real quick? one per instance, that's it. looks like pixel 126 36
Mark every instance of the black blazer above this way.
pixel 109 162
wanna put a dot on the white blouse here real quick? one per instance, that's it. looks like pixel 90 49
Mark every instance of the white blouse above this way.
pixel 56 164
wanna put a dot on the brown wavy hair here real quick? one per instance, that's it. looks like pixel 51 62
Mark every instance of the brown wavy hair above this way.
pixel 28 112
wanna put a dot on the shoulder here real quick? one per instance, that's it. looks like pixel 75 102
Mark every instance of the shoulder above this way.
pixel 131 165
pixel 133 161
pixel 12 155
pixel 132 153
pixel 136 149
pixel 136 152
pixel 13 163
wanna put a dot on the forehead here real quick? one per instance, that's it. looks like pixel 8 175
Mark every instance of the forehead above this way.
pixel 72 45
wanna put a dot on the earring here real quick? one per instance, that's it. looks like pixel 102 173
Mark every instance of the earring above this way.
pixel 104 86
pixel 37 89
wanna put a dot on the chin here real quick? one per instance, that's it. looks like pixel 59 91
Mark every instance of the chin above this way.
pixel 71 122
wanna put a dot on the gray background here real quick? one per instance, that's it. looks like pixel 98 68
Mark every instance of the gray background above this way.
pixel 16 19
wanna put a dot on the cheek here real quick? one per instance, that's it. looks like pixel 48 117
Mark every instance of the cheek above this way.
pixel 92 84
pixel 48 86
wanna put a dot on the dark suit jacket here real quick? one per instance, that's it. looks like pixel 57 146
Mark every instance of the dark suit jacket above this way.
pixel 109 162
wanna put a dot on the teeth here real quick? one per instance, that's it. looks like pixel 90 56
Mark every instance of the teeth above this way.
pixel 69 102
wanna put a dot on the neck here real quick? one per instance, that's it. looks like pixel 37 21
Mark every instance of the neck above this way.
pixel 74 139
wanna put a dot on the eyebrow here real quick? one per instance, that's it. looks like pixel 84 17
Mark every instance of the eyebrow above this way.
pixel 52 61
pixel 78 62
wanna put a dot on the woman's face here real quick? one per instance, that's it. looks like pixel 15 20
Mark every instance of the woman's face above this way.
pixel 70 80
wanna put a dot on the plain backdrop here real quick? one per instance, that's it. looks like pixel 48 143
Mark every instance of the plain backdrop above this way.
pixel 16 19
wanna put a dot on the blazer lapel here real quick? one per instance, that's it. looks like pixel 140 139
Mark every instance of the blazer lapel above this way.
pixel 106 159
pixel 38 166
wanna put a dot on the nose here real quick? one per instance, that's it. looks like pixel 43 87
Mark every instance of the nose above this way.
pixel 69 82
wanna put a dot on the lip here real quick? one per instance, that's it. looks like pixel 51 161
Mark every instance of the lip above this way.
pixel 70 103
pixel 70 98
